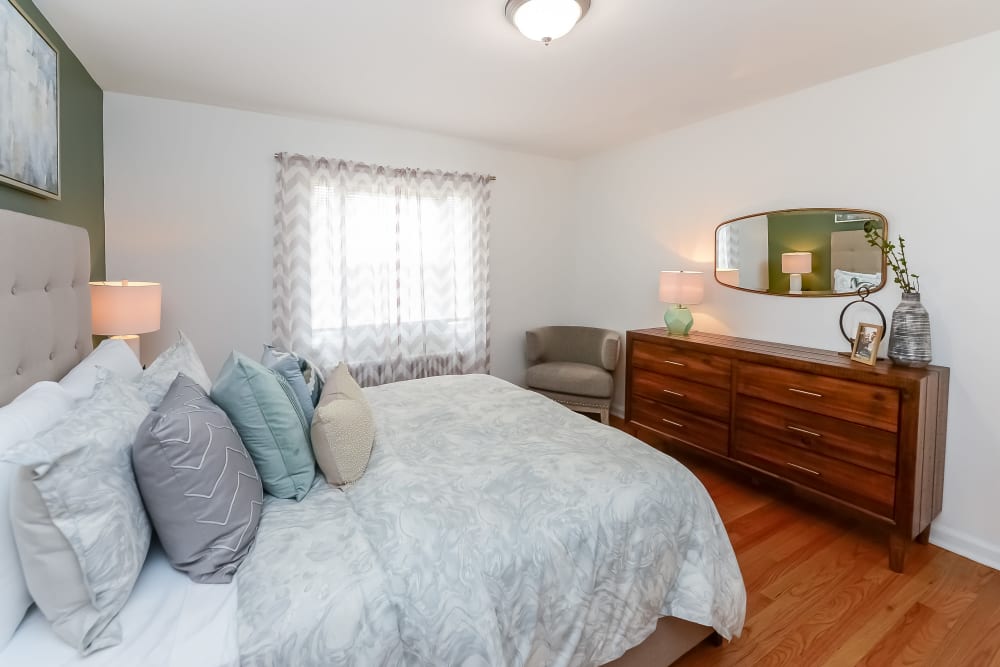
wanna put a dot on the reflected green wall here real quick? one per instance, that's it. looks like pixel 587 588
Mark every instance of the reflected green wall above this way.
pixel 803 232
pixel 81 139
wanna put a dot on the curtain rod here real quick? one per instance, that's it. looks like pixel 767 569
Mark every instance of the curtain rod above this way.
pixel 488 178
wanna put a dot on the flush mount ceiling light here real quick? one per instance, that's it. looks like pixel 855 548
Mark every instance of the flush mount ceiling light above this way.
pixel 546 20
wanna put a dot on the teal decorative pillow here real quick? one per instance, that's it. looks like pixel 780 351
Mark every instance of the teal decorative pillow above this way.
pixel 267 415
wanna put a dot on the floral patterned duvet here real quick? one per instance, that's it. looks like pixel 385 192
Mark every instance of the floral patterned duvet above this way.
pixel 492 527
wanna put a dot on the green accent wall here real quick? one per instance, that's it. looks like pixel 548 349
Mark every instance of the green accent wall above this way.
pixel 808 231
pixel 81 138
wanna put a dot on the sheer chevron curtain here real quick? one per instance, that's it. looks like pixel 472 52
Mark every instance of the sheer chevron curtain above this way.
pixel 384 269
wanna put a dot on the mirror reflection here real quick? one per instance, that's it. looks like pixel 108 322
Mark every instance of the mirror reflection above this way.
pixel 800 252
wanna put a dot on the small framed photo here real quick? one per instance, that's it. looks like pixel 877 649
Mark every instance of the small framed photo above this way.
pixel 866 343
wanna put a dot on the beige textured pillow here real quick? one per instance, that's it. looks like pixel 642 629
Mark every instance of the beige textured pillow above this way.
pixel 343 430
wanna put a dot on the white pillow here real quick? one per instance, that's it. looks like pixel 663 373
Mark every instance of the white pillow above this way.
pixel 850 281
pixel 181 357
pixel 115 355
pixel 31 413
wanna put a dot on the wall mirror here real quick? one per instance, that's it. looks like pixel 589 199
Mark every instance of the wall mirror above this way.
pixel 800 252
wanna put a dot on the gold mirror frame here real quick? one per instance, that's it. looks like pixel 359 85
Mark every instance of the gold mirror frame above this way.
pixel 806 294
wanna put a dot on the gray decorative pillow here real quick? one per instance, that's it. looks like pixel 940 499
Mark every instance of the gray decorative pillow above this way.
pixel 78 520
pixel 343 430
pixel 181 357
pixel 288 366
pixel 200 487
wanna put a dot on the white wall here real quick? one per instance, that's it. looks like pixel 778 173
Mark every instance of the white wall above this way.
pixel 189 200
pixel 918 140
pixel 190 193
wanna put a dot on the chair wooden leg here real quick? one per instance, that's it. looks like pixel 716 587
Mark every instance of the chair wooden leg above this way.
pixel 605 417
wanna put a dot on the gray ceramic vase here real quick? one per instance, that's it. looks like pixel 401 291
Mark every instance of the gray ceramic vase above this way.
pixel 910 336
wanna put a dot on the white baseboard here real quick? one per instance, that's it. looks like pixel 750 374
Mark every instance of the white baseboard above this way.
pixel 966 545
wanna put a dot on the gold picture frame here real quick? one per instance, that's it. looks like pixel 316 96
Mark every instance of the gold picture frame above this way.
pixel 866 343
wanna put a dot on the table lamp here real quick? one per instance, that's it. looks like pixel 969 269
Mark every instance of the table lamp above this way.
pixel 795 264
pixel 681 288
pixel 125 309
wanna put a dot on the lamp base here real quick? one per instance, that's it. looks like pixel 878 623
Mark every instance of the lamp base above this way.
pixel 133 342
pixel 795 283
pixel 678 320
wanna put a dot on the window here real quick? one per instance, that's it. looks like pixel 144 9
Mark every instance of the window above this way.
pixel 396 270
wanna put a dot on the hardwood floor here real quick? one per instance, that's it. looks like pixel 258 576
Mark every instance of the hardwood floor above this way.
pixel 820 591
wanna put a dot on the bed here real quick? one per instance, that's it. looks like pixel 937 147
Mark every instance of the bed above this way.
pixel 853 262
pixel 492 527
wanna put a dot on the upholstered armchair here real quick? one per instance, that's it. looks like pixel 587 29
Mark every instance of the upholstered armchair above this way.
pixel 574 365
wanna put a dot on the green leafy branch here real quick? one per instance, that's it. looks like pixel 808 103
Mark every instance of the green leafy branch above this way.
pixel 895 256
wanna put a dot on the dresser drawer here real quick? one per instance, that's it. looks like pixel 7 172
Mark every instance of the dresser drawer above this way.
pixel 693 396
pixel 671 360
pixel 853 401
pixel 860 486
pixel 870 448
pixel 680 425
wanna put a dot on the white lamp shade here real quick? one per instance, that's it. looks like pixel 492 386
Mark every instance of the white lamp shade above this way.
pixel 682 287
pixel 124 307
pixel 543 20
pixel 796 262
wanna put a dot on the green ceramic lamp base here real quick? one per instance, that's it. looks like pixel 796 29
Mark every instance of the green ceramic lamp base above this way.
pixel 678 320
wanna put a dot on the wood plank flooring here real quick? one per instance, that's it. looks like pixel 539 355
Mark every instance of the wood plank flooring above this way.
pixel 820 591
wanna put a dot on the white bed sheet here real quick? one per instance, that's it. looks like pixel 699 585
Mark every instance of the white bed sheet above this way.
pixel 169 621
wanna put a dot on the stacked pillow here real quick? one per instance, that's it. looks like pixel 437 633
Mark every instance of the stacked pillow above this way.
pixel 77 515
pixel 266 412
pixel 111 442
pixel 114 355
pixel 302 375
pixel 180 357
pixel 343 430
pixel 77 519
pixel 31 413
pixel 200 487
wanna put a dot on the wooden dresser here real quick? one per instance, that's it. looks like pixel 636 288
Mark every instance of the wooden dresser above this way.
pixel 868 440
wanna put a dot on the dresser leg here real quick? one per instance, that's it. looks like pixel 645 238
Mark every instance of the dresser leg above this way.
pixel 898 542
pixel 925 536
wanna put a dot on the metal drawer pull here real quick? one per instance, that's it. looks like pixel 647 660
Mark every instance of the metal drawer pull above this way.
pixel 672 423
pixel 673 363
pixel 807 393
pixel 802 430
pixel 803 469
pixel 674 393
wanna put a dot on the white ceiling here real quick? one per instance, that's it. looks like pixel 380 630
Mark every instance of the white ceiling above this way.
pixel 631 68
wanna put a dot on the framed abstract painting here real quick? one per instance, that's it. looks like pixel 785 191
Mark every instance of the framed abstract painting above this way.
pixel 29 105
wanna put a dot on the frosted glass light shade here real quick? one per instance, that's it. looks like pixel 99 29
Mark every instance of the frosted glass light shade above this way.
pixel 546 20
pixel 124 307
pixel 682 287
pixel 796 262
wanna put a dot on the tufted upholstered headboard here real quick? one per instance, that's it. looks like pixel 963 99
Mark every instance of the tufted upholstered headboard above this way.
pixel 44 300
pixel 850 251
